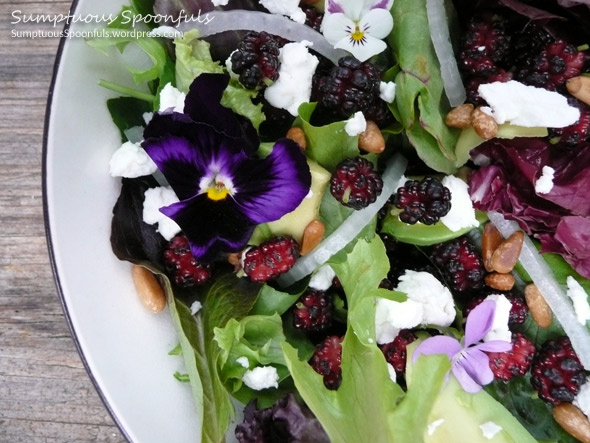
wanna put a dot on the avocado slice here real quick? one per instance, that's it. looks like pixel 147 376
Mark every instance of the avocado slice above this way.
pixel 457 415
pixel 295 222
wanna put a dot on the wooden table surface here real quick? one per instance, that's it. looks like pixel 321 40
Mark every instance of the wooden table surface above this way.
pixel 45 393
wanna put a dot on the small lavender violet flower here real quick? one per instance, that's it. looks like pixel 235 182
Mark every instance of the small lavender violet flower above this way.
pixel 208 155
pixel 470 363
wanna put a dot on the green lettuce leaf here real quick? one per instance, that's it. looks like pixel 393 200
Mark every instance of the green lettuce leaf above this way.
pixel 193 57
pixel 259 339
pixel 328 145
pixel 127 112
pixel 420 104
pixel 226 298
pixel 272 301
pixel 239 99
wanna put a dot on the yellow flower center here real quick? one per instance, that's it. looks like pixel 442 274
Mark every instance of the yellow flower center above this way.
pixel 357 36
pixel 217 192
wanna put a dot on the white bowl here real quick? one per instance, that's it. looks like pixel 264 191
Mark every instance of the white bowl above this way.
pixel 124 347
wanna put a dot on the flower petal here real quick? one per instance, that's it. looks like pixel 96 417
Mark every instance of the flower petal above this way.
pixel 479 322
pixel 477 365
pixel 169 123
pixel 364 50
pixel 184 162
pixel 383 4
pixel 203 105
pixel 337 27
pixel 377 23
pixel 212 227
pixel 334 7
pixel 269 188
pixel 494 346
pixel 439 344
pixel 464 379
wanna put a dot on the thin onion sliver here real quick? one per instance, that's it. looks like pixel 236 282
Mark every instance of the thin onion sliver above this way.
pixel 441 40
pixel 241 20
pixel 348 230
pixel 542 276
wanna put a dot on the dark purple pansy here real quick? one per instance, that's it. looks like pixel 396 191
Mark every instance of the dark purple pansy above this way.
pixel 208 156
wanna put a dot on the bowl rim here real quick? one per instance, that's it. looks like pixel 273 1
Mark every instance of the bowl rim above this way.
pixel 48 234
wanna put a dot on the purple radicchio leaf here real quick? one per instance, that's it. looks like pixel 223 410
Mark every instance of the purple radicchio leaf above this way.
pixel 286 421
pixel 131 238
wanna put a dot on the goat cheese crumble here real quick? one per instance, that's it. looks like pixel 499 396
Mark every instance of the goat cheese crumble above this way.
pixel 171 98
pixel 131 161
pixel 462 213
pixel 429 303
pixel 289 8
pixel 579 299
pixel 322 279
pixel 528 106
pixel 356 125
pixel 293 86
pixel 196 307
pixel 500 330
pixel 392 373
pixel 154 199
pixel 544 183
pixel 243 361
pixel 387 91
pixel 261 377
pixel 489 429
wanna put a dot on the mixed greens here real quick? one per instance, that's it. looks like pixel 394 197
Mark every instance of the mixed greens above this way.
pixel 399 251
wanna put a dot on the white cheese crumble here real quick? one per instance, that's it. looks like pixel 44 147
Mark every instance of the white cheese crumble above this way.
pixel 219 2
pixel 500 330
pixel 196 307
pixel 387 91
pixel 131 161
pixel 295 75
pixel 147 117
pixel 528 106
pixel 429 303
pixel 171 98
pixel 356 125
pixel 432 427
pixel 462 213
pixel 579 299
pixel 261 377
pixel 489 429
pixel 322 279
pixel 392 373
pixel 154 199
pixel 544 183
pixel 290 8
pixel 582 400
pixel 243 361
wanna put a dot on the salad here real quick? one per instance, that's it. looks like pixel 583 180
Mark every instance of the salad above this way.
pixel 368 220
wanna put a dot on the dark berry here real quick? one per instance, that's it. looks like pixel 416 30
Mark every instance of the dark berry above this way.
pixel 327 359
pixel 355 184
pixel 557 373
pixel 271 259
pixel 256 59
pixel 349 88
pixel 182 266
pixel 556 63
pixel 514 363
pixel 423 201
pixel 395 351
pixel 484 44
pixel 313 311
pixel 460 264
pixel 577 133
pixel 313 17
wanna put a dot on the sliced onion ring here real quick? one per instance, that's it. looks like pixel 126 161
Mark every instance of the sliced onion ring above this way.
pixel 542 276
pixel 348 230
pixel 241 20
pixel 441 40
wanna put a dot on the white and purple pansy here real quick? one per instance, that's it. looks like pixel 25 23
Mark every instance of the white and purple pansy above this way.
pixel 358 26
pixel 470 363
pixel 208 155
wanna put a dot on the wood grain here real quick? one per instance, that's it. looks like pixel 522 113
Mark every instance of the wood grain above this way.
pixel 45 393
